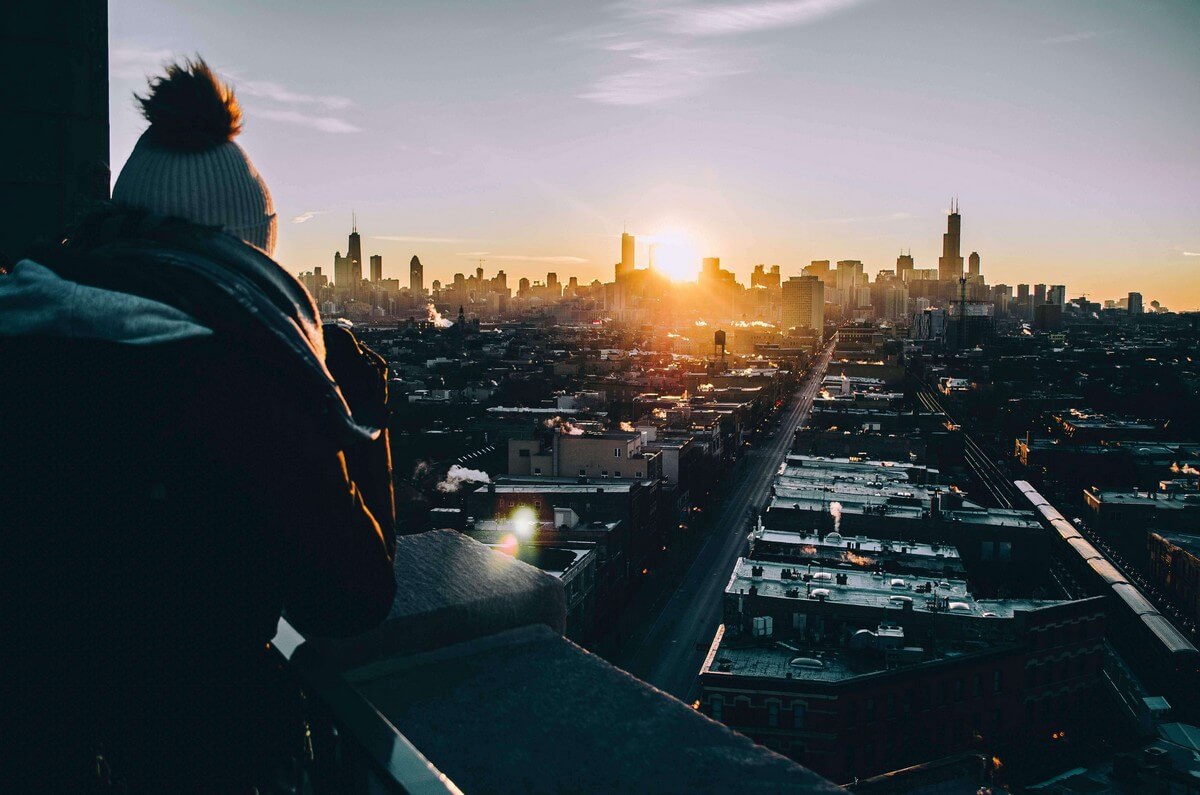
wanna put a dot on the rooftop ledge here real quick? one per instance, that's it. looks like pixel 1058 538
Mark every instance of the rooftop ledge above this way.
pixel 469 685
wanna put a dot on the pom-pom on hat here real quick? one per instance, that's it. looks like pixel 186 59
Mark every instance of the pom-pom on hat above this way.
pixel 186 163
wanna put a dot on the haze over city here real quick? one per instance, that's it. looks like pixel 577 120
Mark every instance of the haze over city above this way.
pixel 529 135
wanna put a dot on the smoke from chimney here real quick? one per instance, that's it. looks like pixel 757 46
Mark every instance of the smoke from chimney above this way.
pixel 458 475
pixel 435 317
pixel 563 426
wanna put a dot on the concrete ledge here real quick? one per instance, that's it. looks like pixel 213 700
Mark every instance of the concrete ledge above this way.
pixel 450 588
pixel 528 711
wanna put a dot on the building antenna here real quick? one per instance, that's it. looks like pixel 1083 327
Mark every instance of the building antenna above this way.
pixel 353 222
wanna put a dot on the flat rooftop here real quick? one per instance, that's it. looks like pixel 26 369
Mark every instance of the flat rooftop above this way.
pixel 782 659
pixel 859 544
pixel 887 592
pixel 1160 502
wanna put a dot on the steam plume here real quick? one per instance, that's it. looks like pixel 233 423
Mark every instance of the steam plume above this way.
pixel 435 317
pixel 458 475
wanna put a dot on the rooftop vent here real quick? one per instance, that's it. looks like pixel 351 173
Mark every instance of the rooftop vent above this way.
pixel 807 662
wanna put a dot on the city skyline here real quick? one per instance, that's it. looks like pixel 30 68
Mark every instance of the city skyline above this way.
pixel 772 133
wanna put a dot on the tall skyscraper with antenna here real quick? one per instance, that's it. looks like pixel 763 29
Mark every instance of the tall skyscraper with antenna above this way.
pixel 950 264
pixel 354 252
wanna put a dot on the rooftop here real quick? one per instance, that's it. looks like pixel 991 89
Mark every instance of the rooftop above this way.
pixel 783 660
pixel 835 542
pixel 887 592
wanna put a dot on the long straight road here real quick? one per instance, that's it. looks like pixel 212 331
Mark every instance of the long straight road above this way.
pixel 670 655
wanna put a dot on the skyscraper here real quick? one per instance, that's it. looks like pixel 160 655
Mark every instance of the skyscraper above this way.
pixel 950 264
pixel 1057 295
pixel 1134 303
pixel 354 254
pixel 627 263
pixel 904 264
pixel 803 303
pixel 416 276
pixel 973 264
pixel 818 268
pixel 1039 294
pixel 849 275
pixel 342 278
pixel 376 268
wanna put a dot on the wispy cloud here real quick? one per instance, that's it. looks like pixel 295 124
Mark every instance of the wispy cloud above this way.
pixel 735 18
pixel 266 89
pixel 307 215
pixel 663 50
pixel 556 260
pixel 131 61
pixel 1071 38
pixel 419 239
pixel 329 124
pixel 1191 253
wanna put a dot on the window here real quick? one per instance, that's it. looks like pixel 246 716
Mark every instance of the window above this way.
pixel 985 550
pixel 851 713
pixel 616 452
pixel 716 705
pixel 997 680
pixel 582 472
pixel 537 470
pixel 617 473
pixel 772 714
pixel 604 473
pixel 799 714
pixel 1004 550
pixel 523 453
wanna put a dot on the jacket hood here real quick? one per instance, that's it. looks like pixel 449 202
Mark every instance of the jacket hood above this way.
pixel 36 301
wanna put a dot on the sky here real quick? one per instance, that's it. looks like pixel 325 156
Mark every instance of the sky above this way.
pixel 529 134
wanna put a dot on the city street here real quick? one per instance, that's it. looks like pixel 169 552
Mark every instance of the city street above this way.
pixel 673 649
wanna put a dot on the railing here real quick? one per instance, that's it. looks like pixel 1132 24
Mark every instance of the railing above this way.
pixel 389 762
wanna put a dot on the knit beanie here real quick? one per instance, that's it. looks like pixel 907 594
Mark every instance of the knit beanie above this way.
pixel 186 163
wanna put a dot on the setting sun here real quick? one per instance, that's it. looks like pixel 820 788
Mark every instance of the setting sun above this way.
pixel 676 254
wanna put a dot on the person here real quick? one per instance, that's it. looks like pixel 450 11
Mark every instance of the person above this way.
pixel 185 454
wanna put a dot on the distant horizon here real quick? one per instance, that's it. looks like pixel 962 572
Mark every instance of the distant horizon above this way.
pixel 767 133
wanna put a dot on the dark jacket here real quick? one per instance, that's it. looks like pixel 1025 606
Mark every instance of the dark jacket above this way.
pixel 166 490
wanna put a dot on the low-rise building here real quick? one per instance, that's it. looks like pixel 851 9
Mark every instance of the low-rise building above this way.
pixel 856 673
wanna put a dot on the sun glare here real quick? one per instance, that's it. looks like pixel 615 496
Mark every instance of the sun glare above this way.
pixel 676 255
